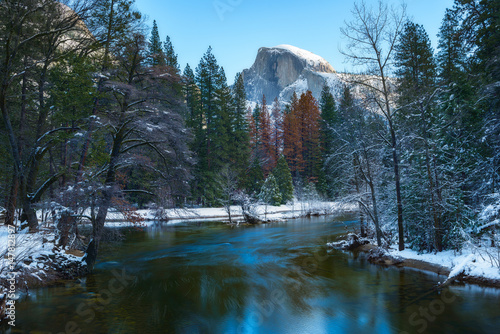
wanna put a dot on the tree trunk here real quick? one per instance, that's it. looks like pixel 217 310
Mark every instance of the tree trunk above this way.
pixel 17 175
pixel 378 232
pixel 105 203
pixel 395 160
pixel 368 176
pixel 358 191
pixel 438 244
pixel 97 228
pixel 11 202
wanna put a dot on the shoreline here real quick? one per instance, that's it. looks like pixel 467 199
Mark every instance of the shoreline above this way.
pixel 44 268
pixel 382 257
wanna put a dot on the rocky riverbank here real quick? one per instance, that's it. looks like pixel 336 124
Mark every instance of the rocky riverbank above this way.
pixel 464 267
pixel 33 260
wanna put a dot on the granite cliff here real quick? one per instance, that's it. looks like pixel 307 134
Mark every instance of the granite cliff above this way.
pixel 283 69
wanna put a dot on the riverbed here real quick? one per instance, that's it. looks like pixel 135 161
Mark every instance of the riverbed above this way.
pixel 210 277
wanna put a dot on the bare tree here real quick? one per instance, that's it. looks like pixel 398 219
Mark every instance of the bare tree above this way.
pixel 228 183
pixel 356 160
pixel 372 37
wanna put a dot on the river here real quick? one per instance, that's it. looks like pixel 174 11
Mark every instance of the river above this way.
pixel 274 278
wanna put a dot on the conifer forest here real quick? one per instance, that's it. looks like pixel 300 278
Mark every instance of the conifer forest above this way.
pixel 99 116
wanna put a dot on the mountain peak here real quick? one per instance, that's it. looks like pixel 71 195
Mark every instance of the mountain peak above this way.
pixel 279 71
pixel 313 60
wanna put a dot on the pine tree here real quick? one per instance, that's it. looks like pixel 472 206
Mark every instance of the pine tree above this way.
pixel 266 149
pixel 170 55
pixel 241 137
pixel 216 110
pixel 191 92
pixel 277 129
pixel 252 131
pixel 416 69
pixel 155 51
pixel 416 72
pixel 451 54
pixel 222 123
pixel 270 193
pixel 284 179
pixel 255 178
pixel 329 119
pixel 207 78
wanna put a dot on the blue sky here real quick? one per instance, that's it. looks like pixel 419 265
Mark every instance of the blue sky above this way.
pixel 236 29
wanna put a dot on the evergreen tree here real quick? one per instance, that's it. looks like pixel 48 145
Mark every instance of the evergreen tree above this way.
pixel 284 180
pixel 270 193
pixel 216 110
pixel 252 131
pixel 155 50
pixel 451 54
pixel 416 72
pixel 329 119
pixel 255 177
pixel 277 129
pixel 207 79
pixel 222 123
pixel 191 93
pixel 256 118
pixel 240 130
pixel 266 148
pixel 170 55
pixel 416 69
pixel 110 21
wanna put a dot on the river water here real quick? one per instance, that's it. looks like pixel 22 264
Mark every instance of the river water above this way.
pixel 274 278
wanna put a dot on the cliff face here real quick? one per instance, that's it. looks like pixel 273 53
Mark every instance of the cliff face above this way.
pixel 281 70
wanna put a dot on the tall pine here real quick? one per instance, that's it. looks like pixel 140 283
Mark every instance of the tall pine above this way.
pixel 240 141
pixel 329 118
pixel 170 55
pixel 155 50
pixel 284 180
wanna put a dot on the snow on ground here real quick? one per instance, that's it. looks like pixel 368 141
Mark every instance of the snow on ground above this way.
pixel 269 212
pixel 32 249
pixel 472 262
pixel 31 253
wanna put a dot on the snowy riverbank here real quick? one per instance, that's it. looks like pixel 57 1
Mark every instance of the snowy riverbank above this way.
pixel 263 212
pixel 35 258
pixel 471 265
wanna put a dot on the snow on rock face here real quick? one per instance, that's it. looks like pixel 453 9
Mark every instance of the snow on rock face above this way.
pixel 313 61
pixel 281 70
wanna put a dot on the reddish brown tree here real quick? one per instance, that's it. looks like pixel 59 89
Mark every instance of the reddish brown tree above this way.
pixel 301 137
pixel 292 138
pixel 310 118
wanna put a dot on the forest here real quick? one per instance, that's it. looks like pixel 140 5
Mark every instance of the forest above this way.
pixel 97 114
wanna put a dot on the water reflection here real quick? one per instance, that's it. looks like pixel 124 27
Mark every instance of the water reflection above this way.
pixel 277 278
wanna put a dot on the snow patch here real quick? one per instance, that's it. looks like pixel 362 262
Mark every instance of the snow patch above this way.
pixel 310 58
pixel 468 261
